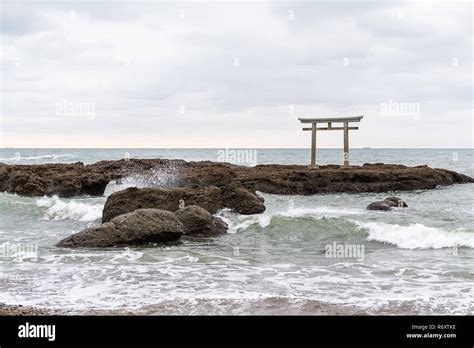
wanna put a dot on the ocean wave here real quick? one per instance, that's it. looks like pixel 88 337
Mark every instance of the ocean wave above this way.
pixel 238 223
pixel 417 236
pixel 58 209
pixel 19 158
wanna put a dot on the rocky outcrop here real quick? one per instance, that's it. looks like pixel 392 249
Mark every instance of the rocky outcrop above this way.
pixel 200 223
pixel 64 180
pixel 211 198
pixel 142 226
pixel 75 179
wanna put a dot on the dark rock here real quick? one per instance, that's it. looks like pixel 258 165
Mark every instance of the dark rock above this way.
pixel 395 202
pixel 121 202
pixel 199 222
pixel 211 198
pixel 242 201
pixel 64 180
pixel 139 227
pixel 380 205
pixel 75 179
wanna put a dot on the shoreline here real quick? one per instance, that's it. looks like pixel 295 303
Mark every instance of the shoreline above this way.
pixel 272 306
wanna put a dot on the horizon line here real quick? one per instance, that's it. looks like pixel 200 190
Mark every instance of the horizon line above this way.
pixel 238 147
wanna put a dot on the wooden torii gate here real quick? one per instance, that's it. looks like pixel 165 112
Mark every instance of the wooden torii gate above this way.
pixel 345 127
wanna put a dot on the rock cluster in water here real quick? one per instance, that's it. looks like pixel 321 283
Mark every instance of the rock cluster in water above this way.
pixel 142 226
pixel 148 226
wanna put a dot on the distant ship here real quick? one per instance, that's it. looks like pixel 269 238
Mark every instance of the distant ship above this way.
pixel 366 148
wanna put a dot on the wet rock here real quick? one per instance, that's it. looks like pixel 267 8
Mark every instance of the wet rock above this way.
pixel 121 202
pixel 380 205
pixel 67 180
pixel 142 226
pixel 211 198
pixel 64 180
pixel 200 223
pixel 395 202
pixel 242 201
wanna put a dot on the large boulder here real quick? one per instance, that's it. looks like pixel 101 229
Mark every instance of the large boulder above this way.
pixel 121 202
pixel 242 201
pixel 139 227
pixel 380 205
pixel 200 223
pixel 211 198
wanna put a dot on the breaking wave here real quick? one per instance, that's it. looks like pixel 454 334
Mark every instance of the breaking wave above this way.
pixel 238 223
pixel 417 236
pixel 157 177
pixel 80 210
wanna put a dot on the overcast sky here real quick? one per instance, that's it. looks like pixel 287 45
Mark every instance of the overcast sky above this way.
pixel 235 74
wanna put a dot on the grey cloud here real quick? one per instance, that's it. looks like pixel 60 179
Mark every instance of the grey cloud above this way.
pixel 143 62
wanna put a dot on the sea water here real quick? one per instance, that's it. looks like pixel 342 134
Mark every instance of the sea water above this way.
pixel 295 258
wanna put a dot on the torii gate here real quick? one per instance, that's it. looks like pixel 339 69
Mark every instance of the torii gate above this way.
pixel 330 121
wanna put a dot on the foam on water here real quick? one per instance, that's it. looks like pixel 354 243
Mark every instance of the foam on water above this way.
pixel 320 212
pixel 125 281
pixel 238 223
pixel 75 209
pixel 417 236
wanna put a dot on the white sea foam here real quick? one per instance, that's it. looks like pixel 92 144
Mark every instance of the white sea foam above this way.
pixel 238 222
pixel 131 285
pixel 59 209
pixel 320 212
pixel 157 177
pixel 417 236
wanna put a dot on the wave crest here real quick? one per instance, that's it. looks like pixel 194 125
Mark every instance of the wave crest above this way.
pixel 417 236
pixel 58 209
